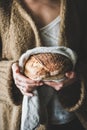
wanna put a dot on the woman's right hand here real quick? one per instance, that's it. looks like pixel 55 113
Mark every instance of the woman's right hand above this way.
pixel 24 84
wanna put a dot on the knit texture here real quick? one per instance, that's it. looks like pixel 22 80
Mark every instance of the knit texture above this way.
pixel 19 33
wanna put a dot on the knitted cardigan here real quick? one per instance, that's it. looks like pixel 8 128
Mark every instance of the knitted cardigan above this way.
pixel 18 33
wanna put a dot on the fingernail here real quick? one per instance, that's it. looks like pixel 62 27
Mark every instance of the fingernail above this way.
pixel 41 84
pixel 60 85
pixel 31 95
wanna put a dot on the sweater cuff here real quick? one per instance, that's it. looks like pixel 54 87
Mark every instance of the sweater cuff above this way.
pixel 72 97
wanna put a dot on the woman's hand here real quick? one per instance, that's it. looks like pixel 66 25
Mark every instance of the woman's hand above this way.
pixel 25 85
pixel 70 78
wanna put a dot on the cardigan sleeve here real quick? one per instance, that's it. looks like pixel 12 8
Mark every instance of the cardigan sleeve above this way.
pixel 8 90
pixel 9 93
pixel 73 97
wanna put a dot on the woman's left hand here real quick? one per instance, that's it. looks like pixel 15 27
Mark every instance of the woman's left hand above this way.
pixel 70 78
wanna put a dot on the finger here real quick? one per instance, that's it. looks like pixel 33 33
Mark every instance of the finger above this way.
pixel 27 94
pixel 26 89
pixel 23 79
pixel 70 75
pixel 26 85
pixel 29 89
pixel 55 85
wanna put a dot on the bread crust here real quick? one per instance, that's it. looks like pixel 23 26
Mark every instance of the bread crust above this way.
pixel 47 66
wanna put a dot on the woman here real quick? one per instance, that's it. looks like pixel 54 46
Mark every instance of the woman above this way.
pixel 21 28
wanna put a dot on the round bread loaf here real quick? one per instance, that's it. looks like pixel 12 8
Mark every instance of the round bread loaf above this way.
pixel 47 66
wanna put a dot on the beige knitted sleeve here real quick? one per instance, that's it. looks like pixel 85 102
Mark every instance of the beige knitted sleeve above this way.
pixel 8 90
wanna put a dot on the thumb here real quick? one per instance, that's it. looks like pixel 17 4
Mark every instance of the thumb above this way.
pixel 15 67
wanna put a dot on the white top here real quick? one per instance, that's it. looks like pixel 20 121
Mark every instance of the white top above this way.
pixel 50 37
pixel 50 32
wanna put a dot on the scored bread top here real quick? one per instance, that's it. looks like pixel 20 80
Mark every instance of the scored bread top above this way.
pixel 54 62
pixel 46 65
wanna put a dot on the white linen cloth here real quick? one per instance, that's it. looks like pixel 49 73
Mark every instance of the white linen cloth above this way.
pixel 30 106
